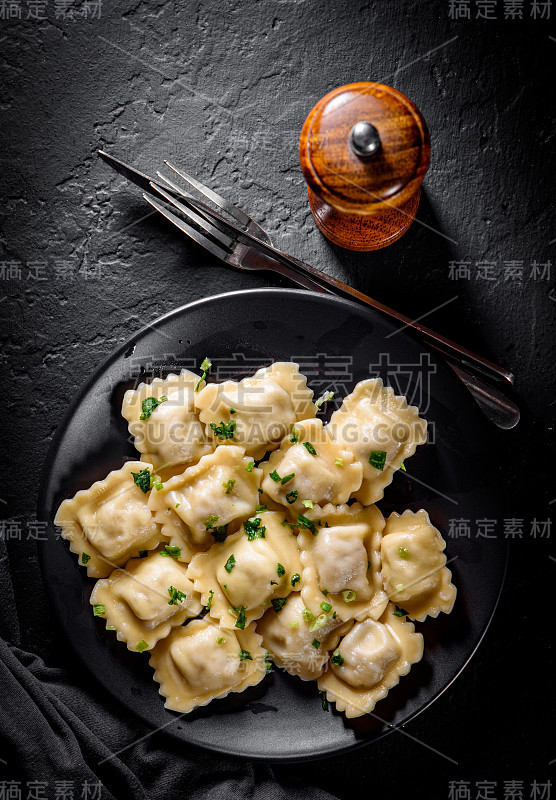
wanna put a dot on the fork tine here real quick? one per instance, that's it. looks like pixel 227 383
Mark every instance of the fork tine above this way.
pixel 220 201
pixel 197 237
pixel 227 241
pixel 213 217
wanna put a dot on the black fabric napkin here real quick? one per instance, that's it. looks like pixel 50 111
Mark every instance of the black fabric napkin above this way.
pixel 61 738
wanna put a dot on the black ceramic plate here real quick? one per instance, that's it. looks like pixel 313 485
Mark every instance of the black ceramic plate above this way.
pixel 337 343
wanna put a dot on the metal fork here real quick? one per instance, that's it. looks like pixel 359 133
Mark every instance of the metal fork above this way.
pixel 244 244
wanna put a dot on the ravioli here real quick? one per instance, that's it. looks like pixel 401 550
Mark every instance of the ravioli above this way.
pixel 295 642
pixel 369 661
pixel 144 601
pixel 381 431
pixel 253 569
pixel 414 566
pixel 109 523
pixel 163 421
pixel 201 505
pixel 256 412
pixel 200 662
pixel 341 562
pixel 310 466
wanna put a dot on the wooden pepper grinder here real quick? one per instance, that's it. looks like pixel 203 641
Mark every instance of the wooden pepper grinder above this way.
pixel 364 151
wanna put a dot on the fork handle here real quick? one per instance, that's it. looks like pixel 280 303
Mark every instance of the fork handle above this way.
pixel 496 406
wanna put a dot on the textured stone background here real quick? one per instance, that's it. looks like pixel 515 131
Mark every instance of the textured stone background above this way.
pixel 222 87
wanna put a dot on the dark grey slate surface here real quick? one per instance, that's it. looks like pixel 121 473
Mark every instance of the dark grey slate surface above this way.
pixel 223 88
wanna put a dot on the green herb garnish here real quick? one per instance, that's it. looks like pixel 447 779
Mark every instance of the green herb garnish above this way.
pixel 309 447
pixel 402 467
pixel 320 621
pixel 308 504
pixel 175 596
pixel 268 663
pixel 339 462
pixel 209 601
pixel 308 615
pixel 232 411
pixel 220 639
pixel 249 467
pixel 240 621
pixel 228 486
pixel 85 557
pixel 99 609
pixel 303 522
pixel 157 483
pixel 219 533
pixel 315 643
pixel 280 570
pixel 275 477
pixel 377 459
pixel 142 645
pixel 245 655
pixel 287 478
pixel 142 479
pixel 205 366
pixel 260 509
pixel 399 612
pixel 278 603
pixel 211 521
pixel 171 550
pixel 294 438
pixel 296 578
pixel 324 398
pixel 337 658
pixel 403 552
pixel 224 431
pixel 230 564
pixel 149 404
pixel 349 595
pixel 324 701
pixel 326 606
pixel 291 497
pixel 254 529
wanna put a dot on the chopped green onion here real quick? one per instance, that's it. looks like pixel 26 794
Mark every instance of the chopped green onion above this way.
pixel 324 701
pixel 296 578
pixel 110 628
pixel 142 479
pixel 337 658
pixel 254 529
pixel 275 477
pixel 326 606
pixel 280 570
pixel 325 592
pixel 250 466
pixel 291 497
pixel 230 564
pixel 306 523
pixel 142 645
pixel 315 643
pixel 220 639
pixel 339 462
pixel 308 504
pixel 287 478
pixel 324 398
pixel 308 615
pixel 294 438
pixel 210 599
pixel 99 609
pixel 232 411
pixel 278 603
pixel 171 550
pixel 177 505
pixel 399 612
pixel 85 557
pixel 294 624
pixel 349 595
pixel 320 621
pixel 403 552
pixel 228 486
pixel 149 404
pixel 377 459
pixel 206 364
pixel 157 483
pixel 402 467
pixel 175 596
pixel 309 447
pixel 260 509
pixel 268 663
pixel 245 655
